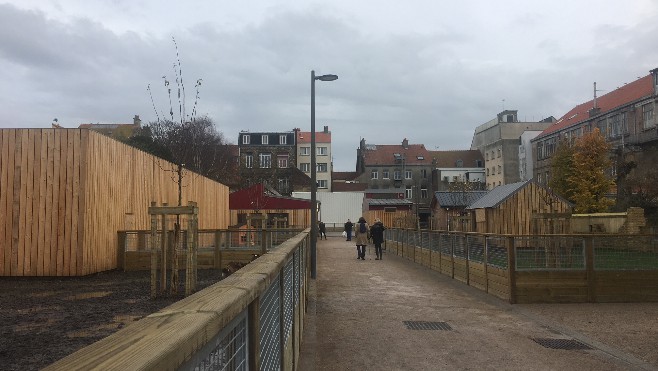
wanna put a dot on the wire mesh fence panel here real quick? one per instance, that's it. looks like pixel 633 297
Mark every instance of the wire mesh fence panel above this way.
pixel 475 249
pixel 226 351
pixel 446 242
pixel 496 252
pixel 549 253
pixel 435 241
pixel 625 252
pixel 459 249
pixel 287 299
pixel 425 238
pixel 270 325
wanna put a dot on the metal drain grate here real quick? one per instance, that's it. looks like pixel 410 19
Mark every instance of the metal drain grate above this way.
pixel 424 325
pixel 567 344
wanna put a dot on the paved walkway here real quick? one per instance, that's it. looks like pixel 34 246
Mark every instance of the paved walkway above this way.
pixel 357 313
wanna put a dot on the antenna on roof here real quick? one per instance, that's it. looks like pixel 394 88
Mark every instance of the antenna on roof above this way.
pixel 595 90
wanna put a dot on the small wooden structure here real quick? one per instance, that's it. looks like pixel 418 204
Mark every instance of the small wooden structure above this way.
pixel 449 210
pixel 266 205
pixel 523 208
pixel 168 237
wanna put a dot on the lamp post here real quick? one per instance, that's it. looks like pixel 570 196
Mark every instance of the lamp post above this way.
pixel 314 184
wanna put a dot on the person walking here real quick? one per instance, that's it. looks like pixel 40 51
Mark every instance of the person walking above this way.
pixel 322 229
pixel 348 230
pixel 361 235
pixel 377 235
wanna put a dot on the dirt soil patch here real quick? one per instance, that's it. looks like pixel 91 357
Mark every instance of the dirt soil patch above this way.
pixel 45 319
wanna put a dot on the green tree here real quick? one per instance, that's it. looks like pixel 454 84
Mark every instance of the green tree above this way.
pixel 562 170
pixel 589 182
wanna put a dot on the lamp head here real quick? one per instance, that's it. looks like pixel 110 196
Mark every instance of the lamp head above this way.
pixel 327 77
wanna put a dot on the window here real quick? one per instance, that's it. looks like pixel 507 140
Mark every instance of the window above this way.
pixel 493 154
pixel 248 161
pixel 455 178
pixel 446 179
pixel 265 160
pixel 540 150
pixel 498 152
pixel 384 174
pixel 499 169
pixel 322 167
pixel 282 139
pixel 305 151
pixel 322 184
pixel 423 173
pixel 486 155
pixel 284 186
pixel 282 161
pixel 478 163
pixel 246 138
pixel 321 151
pixel 647 115
pixel 305 167
pixel 374 174
pixel 459 163
pixel 423 193
pixel 397 175
pixel 264 139
pixel 407 174
pixel 487 171
pixel 408 192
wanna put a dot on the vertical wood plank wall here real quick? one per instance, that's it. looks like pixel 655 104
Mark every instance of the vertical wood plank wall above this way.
pixel 64 193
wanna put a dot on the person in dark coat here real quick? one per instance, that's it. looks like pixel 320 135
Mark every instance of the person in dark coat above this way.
pixel 348 229
pixel 361 234
pixel 322 229
pixel 377 235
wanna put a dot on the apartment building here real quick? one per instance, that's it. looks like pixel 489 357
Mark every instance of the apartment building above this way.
pixel 323 160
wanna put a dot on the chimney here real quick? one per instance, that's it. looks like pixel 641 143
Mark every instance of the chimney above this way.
pixel 326 129
pixel 136 121
pixel 405 143
pixel 654 77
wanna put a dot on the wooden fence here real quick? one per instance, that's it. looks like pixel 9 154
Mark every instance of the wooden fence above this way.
pixel 64 194
pixel 539 269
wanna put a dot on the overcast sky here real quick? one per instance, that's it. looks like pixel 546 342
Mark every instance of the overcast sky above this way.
pixel 426 70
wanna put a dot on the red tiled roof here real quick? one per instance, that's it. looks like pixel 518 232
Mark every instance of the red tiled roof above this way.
pixel 320 137
pixel 628 93
pixel 348 187
pixel 448 159
pixel 384 154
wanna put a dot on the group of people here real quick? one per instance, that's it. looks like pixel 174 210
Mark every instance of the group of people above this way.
pixel 362 234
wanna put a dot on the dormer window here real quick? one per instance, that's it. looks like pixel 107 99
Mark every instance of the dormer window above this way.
pixel 420 157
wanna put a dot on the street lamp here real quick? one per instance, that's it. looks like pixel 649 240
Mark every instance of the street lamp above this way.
pixel 314 184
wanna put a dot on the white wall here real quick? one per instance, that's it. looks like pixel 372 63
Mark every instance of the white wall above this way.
pixel 337 207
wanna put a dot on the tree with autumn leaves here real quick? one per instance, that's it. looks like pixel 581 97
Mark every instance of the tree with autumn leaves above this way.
pixel 580 173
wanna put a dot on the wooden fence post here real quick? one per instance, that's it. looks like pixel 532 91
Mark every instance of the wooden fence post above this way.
pixel 589 266
pixel 486 264
pixel 511 269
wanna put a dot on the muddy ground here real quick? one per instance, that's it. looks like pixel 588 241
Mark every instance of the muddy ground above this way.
pixel 45 319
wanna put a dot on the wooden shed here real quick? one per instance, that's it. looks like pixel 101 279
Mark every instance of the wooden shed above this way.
pixel 259 202
pixel 522 208
pixel 449 210
pixel 64 194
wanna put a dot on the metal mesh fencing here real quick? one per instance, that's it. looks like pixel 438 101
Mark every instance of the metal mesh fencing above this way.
pixel 496 252
pixel 435 239
pixel 476 246
pixel 226 351
pixel 270 316
pixel 549 253
pixel 446 242
pixel 288 307
pixel 425 239
pixel 459 250
pixel 625 252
